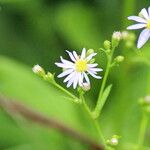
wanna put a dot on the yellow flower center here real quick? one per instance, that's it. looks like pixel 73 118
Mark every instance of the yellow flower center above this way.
pixel 81 65
pixel 148 24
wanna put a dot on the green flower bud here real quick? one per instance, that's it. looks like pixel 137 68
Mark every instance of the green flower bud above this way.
pixel 119 59
pixel 129 44
pixel 49 77
pixel 37 69
pixel 108 51
pixel 145 103
pixel 132 37
pixel 147 99
pixel 92 61
pixel 125 35
pixel 89 52
pixel 107 44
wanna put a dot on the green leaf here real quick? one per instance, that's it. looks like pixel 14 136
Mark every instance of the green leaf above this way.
pixel 104 96
pixel 18 82
pixel 101 101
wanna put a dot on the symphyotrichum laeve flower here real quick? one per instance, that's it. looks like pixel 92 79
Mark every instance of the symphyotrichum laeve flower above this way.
pixel 143 22
pixel 77 70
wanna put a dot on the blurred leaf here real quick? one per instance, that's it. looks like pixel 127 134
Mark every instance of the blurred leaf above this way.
pixel 18 82
pixel 105 95
pixel 78 25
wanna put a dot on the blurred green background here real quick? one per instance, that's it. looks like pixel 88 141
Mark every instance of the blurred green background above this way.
pixel 38 32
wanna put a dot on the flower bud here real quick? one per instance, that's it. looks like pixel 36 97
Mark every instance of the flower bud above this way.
pixel 85 86
pixel 113 141
pixel 145 103
pixel 89 52
pixel 129 44
pixel 119 59
pixel 125 35
pixel 49 77
pixel 92 61
pixel 147 99
pixel 37 69
pixel 116 37
pixel 107 44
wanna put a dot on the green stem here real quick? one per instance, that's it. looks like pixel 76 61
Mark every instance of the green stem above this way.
pixel 142 131
pixel 85 105
pixel 108 67
pixel 95 122
pixel 73 97
pixel 102 139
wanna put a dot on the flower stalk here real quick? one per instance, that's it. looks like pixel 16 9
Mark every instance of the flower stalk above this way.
pixel 143 127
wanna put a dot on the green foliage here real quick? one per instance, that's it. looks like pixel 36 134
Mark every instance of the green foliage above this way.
pixel 38 31
pixel 18 82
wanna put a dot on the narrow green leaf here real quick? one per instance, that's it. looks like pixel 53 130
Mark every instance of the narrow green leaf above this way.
pixel 102 101
pixel 105 96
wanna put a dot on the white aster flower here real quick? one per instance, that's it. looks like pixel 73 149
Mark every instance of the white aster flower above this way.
pixel 77 70
pixel 143 21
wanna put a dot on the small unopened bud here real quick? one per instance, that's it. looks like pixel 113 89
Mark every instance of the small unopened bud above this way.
pixel 132 37
pixel 85 86
pixel 116 37
pixel 147 99
pixel 119 59
pixel 145 103
pixel 49 77
pixel 89 52
pixel 37 69
pixel 129 44
pixel 113 141
pixel 125 35
pixel 92 61
pixel 107 44
pixel 108 51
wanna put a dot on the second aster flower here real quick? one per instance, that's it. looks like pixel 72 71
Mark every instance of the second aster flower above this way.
pixel 77 70
pixel 143 21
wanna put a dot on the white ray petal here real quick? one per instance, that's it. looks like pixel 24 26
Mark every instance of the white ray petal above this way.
pixel 80 79
pixel 145 14
pixel 93 72
pixel 96 69
pixel 90 56
pixel 66 61
pixel 75 55
pixel 136 26
pixel 69 77
pixel 92 65
pixel 137 19
pixel 76 79
pixel 70 82
pixel 86 77
pixel 66 72
pixel 83 54
pixel 71 56
pixel 93 75
pixel 143 38
pixel 63 65
pixel 149 11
